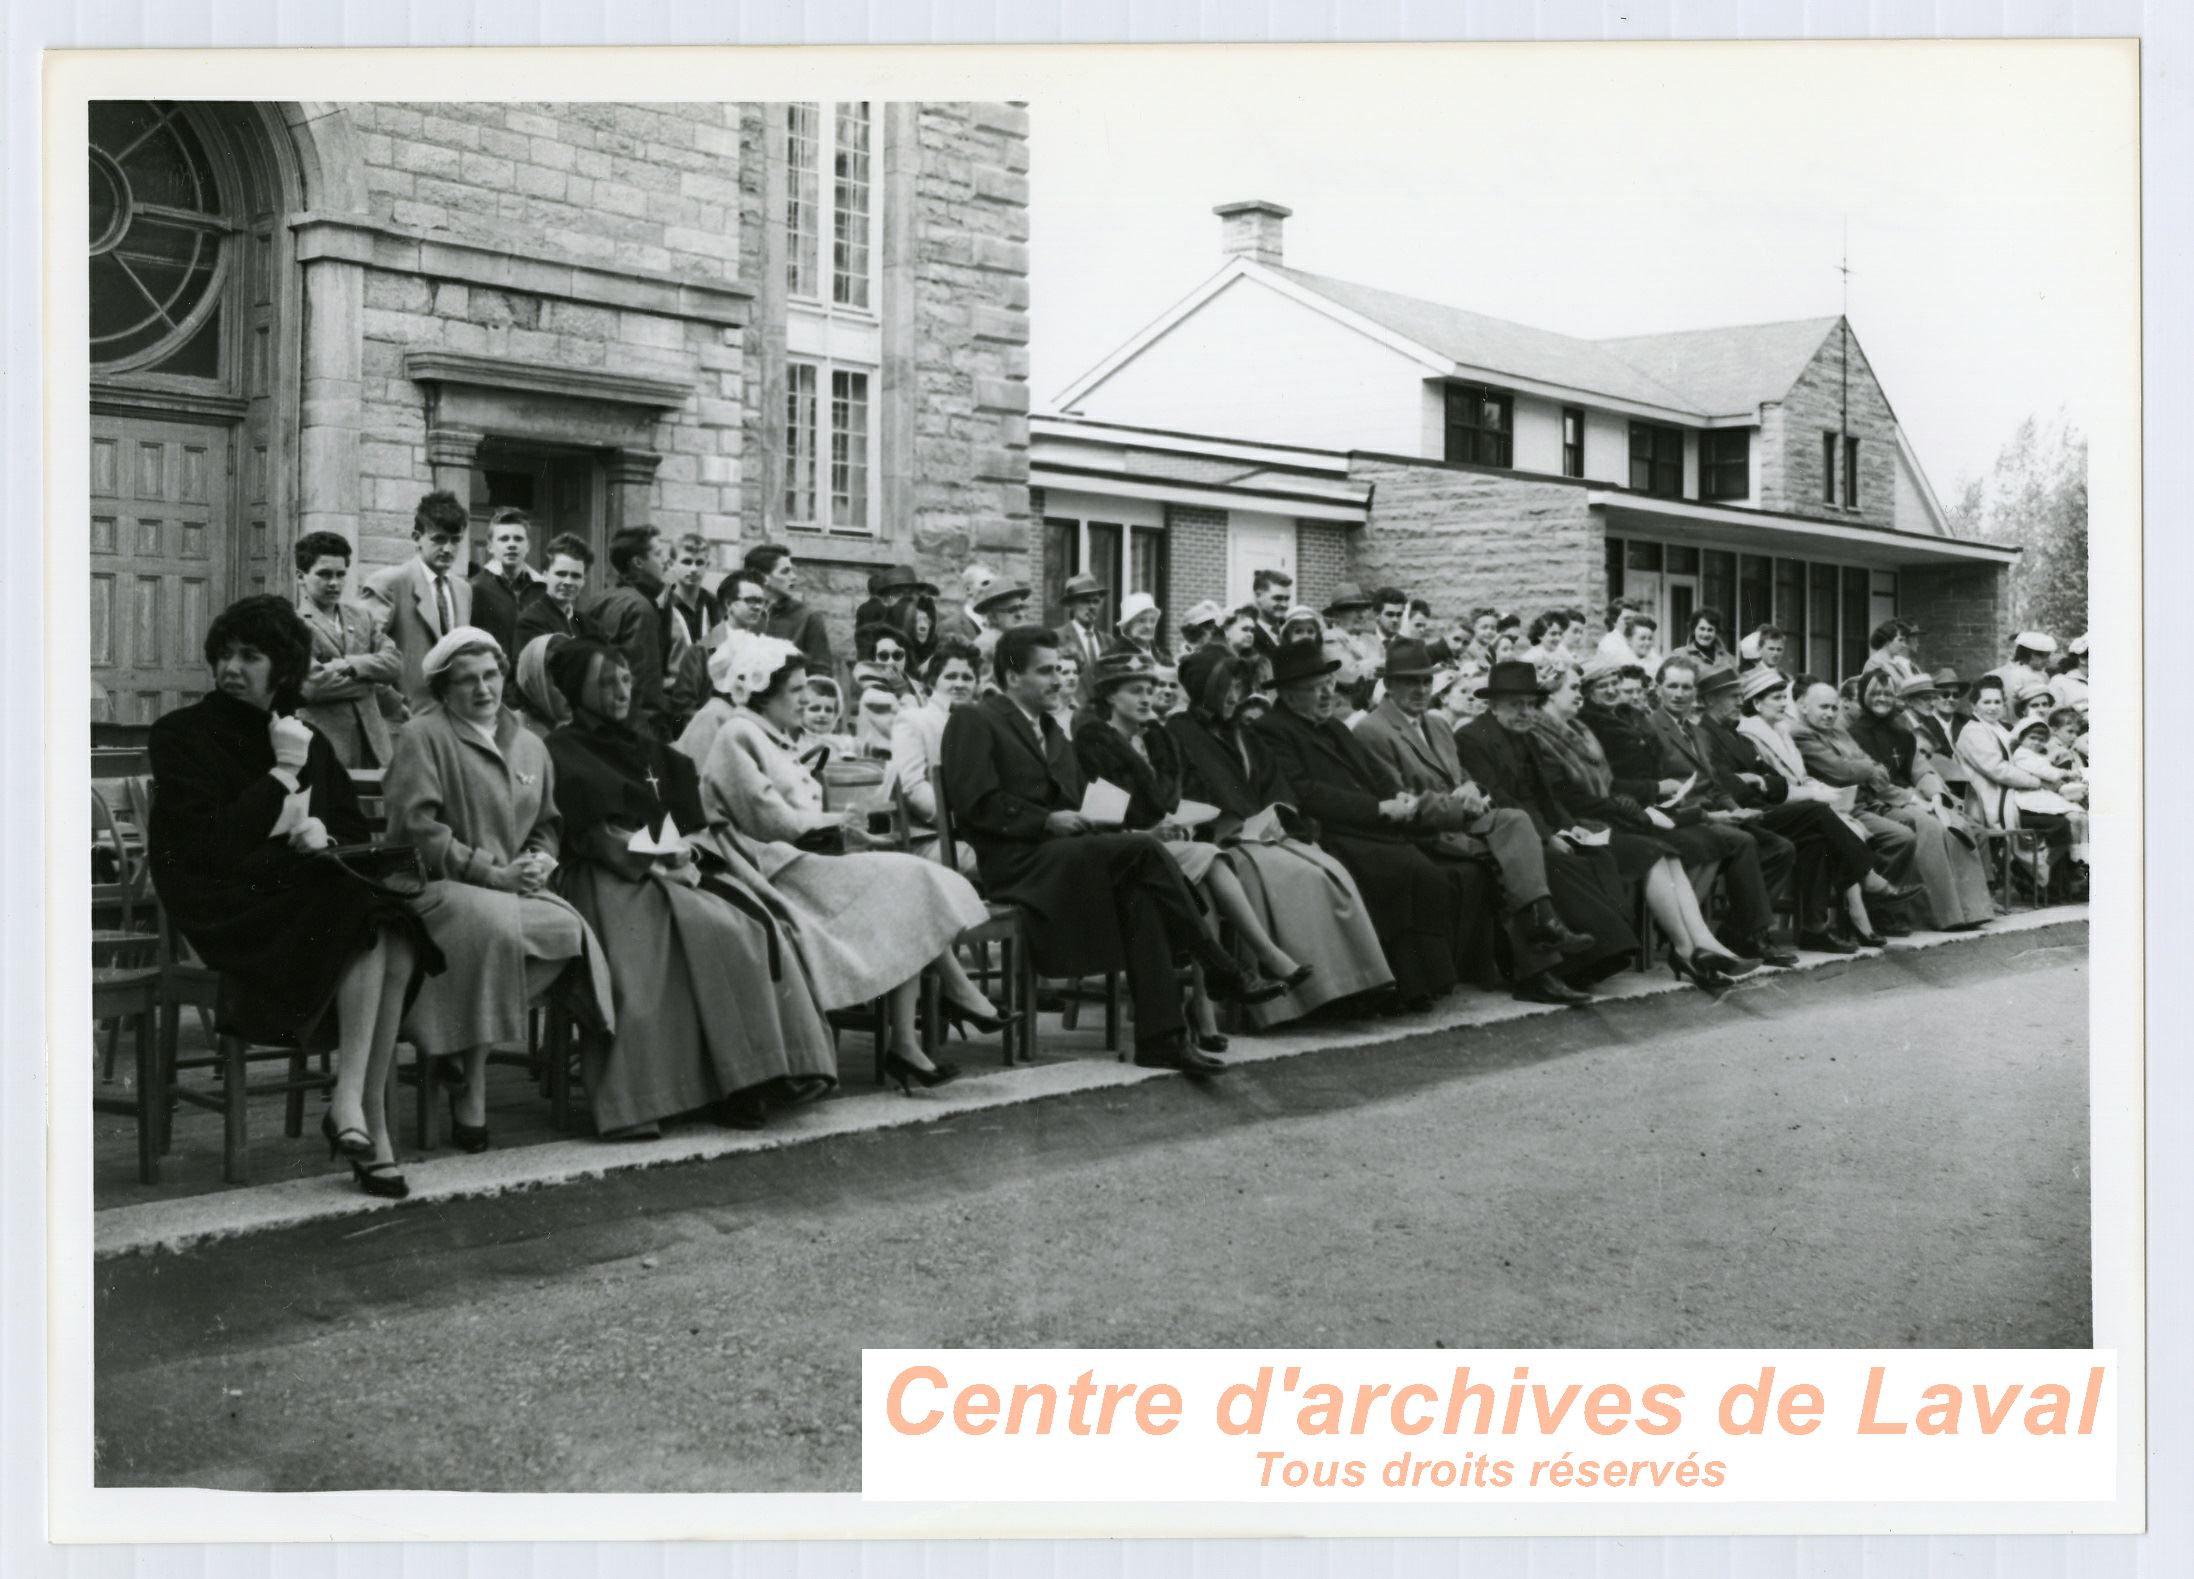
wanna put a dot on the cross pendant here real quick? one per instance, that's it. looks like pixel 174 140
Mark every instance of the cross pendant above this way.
pixel 655 787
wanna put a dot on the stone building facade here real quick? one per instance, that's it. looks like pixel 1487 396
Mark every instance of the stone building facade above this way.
pixel 800 323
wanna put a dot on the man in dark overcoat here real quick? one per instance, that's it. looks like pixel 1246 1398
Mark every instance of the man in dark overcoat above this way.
pixel 1433 918
pixel 1505 764
pixel 1014 789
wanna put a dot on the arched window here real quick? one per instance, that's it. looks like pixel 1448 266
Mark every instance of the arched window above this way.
pixel 160 242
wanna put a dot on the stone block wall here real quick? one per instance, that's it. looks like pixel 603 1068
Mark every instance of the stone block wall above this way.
pixel 951 399
pixel 647 187
pixel 1790 438
pixel 1963 611
pixel 970 494
pixel 642 197
pixel 1465 538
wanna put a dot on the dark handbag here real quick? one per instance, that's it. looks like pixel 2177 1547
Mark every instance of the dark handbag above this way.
pixel 399 868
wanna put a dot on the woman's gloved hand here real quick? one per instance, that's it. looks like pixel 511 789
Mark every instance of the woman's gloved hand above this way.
pixel 292 742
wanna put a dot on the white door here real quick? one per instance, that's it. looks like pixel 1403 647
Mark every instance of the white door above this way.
pixel 1254 543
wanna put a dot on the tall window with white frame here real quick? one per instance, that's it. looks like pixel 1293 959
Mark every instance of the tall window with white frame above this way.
pixel 833 338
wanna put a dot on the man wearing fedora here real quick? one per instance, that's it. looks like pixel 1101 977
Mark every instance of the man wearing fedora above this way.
pixel 999 607
pixel 1014 786
pixel 1349 628
pixel 1080 635
pixel 1433 918
pixel 975 580
pixel 1457 818
pixel 1497 751
pixel 885 589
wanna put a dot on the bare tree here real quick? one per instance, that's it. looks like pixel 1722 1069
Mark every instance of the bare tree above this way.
pixel 2036 497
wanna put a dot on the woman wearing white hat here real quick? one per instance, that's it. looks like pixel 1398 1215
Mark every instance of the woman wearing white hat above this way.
pixel 1137 628
pixel 868 919
pixel 474 791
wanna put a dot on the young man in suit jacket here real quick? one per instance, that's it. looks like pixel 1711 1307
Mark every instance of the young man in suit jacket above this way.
pixel 1014 789
pixel 425 598
pixel 1550 960
pixel 354 664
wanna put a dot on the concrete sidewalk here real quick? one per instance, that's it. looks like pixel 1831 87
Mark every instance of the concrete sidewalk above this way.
pixel 177 1222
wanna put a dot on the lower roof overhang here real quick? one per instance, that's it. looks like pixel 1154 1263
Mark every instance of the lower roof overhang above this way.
pixel 1306 499
pixel 1767 532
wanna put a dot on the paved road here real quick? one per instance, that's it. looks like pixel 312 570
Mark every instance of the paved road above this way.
pixel 1888 1153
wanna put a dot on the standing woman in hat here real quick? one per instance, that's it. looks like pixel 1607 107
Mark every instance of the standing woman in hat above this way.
pixel 1137 628
pixel 714 1008
pixel 1586 784
pixel 307 949
pixel 1120 739
pixel 474 792
pixel 2029 665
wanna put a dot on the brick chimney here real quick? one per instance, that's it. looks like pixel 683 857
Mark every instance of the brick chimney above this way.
pixel 1251 229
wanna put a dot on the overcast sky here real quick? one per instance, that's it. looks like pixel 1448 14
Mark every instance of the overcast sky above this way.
pixel 1990 193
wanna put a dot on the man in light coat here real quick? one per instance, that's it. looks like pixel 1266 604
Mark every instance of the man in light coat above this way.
pixel 424 598
pixel 355 666
pixel 1460 818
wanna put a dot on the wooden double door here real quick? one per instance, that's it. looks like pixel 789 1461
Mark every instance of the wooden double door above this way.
pixel 165 557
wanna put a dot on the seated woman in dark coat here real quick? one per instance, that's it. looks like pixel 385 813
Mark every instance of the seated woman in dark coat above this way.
pixel 713 1005
pixel 1637 834
pixel 1708 842
pixel 246 801
pixel 1304 898
pixel 1118 740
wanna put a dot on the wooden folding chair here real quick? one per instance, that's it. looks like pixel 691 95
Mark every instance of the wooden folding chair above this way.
pixel 1007 927
pixel 125 982
pixel 185 981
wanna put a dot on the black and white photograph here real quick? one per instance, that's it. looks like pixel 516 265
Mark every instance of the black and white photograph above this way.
pixel 1356 699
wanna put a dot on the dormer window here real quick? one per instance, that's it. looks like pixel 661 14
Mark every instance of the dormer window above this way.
pixel 1725 463
pixel 1480 425
pixel 1657 459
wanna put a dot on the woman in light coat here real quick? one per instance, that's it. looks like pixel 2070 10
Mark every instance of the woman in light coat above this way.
pixel 868 919
pixel 918 743
pixel 1985 747
pixel 474 791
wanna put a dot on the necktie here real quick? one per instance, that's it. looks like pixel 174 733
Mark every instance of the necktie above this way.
pixel 441 603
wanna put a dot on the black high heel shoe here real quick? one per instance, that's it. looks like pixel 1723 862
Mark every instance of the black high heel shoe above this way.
pixel 380 1179
pixel 1700 976
pixel 344 1142
pixel 1296 977
pixel 1216 1042
pixel 903 1070
pixel 965 1020
pixel 465 1137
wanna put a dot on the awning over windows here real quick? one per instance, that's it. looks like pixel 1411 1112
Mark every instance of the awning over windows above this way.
pixel 1766 532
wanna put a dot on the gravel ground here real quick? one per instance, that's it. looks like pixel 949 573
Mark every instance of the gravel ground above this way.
pixel 1888 1153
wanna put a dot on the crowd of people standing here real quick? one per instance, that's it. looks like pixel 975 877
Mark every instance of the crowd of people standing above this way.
pixel 619 805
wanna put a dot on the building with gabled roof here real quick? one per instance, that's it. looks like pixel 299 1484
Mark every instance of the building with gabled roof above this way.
pixel 1758 470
